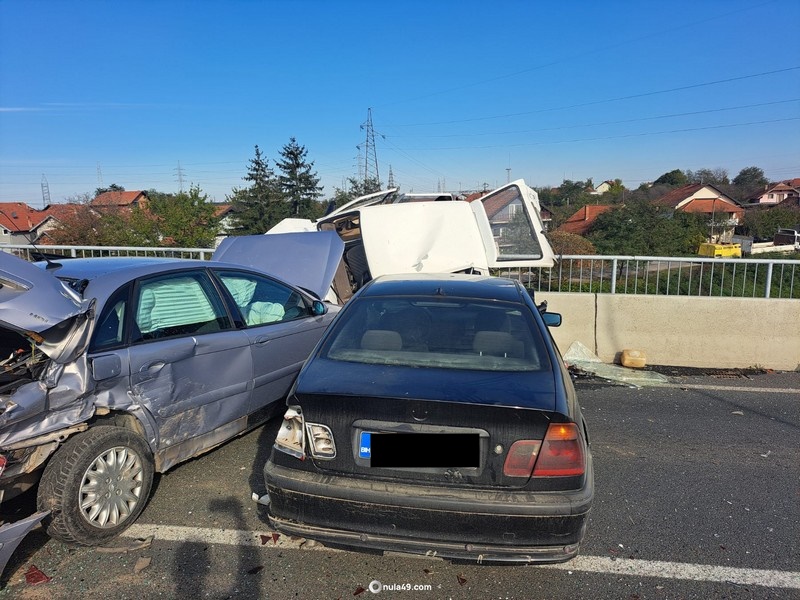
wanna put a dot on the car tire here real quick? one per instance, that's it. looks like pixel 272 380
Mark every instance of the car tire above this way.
pixel 96 485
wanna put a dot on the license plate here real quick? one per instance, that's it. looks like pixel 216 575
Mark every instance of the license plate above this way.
pixel 420 450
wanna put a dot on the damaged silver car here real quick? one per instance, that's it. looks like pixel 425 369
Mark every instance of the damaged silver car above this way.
pixel 119 368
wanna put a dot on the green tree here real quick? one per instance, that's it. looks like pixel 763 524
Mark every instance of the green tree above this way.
pixel 255 209
pixel 112 188
pixel 750 177
pixel 763 223
pixel 675 177
pixel 298 184
pixel 355 189
pixel 185 219
pixel 717 176
pixel 563 242
pixel 640 228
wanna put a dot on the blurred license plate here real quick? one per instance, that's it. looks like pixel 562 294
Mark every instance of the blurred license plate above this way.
pixel 420 450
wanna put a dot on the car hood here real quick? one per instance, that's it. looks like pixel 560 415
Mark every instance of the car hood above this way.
pixel 443 239
pixel 307 260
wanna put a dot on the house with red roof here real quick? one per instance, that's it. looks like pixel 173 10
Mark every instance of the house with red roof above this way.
pixel 580 222
pixel 21 224
pixel 119 199
pixel 703 198
pixel 775 193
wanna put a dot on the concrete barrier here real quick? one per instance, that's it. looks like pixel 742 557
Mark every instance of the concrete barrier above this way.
pixel 686 331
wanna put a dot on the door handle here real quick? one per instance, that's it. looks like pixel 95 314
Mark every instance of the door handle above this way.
pixel 261 340
pixel 153 367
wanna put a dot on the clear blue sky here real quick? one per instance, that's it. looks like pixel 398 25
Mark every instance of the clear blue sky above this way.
pixel 461 91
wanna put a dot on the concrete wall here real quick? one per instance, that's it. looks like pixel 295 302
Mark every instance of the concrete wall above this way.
pixel 680 330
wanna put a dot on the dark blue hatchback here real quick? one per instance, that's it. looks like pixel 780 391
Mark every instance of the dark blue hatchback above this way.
pixel 436 417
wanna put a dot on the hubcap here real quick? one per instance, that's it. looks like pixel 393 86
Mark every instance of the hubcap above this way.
pixel 112 487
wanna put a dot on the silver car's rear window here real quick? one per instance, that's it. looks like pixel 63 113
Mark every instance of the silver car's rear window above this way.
pixel 438 333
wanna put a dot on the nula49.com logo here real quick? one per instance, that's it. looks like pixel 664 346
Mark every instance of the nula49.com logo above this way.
pixel 376 587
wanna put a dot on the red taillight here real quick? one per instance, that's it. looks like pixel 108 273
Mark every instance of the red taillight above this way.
pixel 520 458
pixel 563 453
pixel 2 464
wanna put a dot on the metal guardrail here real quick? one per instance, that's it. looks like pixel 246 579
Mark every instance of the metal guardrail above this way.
pixel 655 275
pixel 664 276
pixel 34 253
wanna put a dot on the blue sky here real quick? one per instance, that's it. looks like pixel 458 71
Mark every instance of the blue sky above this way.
pixel 462 93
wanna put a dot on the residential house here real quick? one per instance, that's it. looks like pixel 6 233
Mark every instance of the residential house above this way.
pixel 602 188
pixel 223 212
pixel 18 223
pixel 120 200
pixel 21 224
pixel 723 211
pixel 774 193
pixel 580 222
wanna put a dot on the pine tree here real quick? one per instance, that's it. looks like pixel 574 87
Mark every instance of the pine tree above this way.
pixel 261 205
pixel 298 184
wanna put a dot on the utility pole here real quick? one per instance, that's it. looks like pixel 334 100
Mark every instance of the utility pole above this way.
pixel 370 154
pixel 45 191
pixel 179 173
pixel 390 184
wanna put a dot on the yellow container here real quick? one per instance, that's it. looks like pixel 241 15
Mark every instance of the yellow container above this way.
pixel 633 358
pixel 720 250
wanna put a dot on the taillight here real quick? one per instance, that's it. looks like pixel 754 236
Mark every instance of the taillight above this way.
pixel 521 457
pixel 563 452
pixel 295 434
pixel 320 438
pixel 290 438
pixel 3 461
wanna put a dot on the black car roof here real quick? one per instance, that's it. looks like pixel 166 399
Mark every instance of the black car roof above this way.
pixel 455 285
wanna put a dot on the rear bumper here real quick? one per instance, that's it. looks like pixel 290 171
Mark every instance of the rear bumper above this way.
pixel 474 525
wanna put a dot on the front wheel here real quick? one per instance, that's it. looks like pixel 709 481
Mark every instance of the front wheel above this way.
pixel 96 485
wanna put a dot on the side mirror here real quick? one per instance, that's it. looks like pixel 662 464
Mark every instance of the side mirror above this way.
pixel 318 308
pixel 106 367
pixel 552 319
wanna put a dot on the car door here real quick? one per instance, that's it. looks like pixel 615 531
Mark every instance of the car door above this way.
pixel 281 329
pixel 511 224
pixel 190 367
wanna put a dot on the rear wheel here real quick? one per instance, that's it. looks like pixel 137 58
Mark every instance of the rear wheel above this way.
pixel 96 485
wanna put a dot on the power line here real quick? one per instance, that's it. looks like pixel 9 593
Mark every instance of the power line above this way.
pixel 606 100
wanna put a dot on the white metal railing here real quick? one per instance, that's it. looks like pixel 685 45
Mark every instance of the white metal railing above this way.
pixel 659 275
pixel 30 252
pixel 678 276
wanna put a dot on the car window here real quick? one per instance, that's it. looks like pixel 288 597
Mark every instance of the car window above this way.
pixel 109 332
pixel 262 300
pixel 178 304
pixel 451 333
pixel 513 232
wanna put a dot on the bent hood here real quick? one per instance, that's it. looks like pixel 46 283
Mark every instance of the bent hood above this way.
pixel 307 260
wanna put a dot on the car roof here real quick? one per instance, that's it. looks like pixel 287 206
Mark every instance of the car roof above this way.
pixel 92 268
pixel 455 285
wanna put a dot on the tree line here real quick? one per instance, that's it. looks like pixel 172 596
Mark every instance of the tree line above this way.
pixel 270 193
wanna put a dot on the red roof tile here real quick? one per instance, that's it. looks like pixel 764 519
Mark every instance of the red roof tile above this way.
pixel 118 198
pixel 580 222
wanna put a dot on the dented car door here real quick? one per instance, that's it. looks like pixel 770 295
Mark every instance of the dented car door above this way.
pixel 189 368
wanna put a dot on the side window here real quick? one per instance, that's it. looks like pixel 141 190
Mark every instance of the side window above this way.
pixel 262 300
pixel 108 332
pixel 183 303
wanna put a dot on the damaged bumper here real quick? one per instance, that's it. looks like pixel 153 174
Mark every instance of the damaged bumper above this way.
pixel 474 525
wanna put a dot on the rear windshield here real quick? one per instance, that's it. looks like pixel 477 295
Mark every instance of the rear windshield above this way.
pixel 437 333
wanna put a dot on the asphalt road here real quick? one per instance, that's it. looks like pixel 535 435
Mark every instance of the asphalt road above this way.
pixel 698 496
